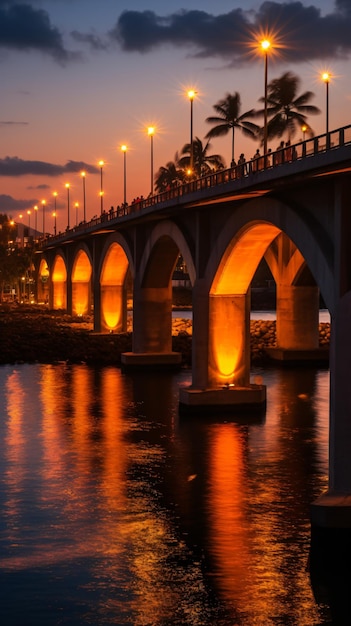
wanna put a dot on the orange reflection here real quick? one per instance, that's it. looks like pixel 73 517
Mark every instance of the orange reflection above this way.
pixel 228 520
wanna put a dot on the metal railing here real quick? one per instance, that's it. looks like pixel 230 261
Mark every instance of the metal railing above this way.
pixel 287 154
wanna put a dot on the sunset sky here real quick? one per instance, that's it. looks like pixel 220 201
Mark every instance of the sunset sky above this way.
pixel 79 78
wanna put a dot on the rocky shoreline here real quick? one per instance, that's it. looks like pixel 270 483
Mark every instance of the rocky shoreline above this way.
pixel 38 335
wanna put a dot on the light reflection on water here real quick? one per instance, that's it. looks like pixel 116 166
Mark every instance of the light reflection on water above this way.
pixel 115 511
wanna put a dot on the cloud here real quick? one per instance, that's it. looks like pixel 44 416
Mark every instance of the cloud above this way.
pixel 9 205
pixel 13 166
pixel 304 31
pixel 24 28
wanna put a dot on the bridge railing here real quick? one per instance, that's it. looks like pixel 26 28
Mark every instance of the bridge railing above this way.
pixel 285 154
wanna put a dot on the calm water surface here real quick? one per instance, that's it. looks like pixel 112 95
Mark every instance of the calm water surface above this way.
pixel 116 511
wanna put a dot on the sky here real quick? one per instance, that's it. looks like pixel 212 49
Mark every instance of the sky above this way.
pixel 80 78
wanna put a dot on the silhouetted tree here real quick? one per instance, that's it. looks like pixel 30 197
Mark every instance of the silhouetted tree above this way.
pixel 203 161
pixel 287 112
pixel 169 176
pixel 229 118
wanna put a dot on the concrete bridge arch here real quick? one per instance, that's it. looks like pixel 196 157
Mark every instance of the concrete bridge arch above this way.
pixel 152 327
pixel 115 265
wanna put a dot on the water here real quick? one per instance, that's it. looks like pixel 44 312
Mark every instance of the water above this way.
pixel 324 315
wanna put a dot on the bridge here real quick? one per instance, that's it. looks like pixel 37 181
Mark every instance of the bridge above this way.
pixel 293 208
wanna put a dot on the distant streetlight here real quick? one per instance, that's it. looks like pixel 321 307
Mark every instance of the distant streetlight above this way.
pixel 265 46
pixel 77 207
pixel 36 219
pixel 20 217
pixel 304 130
pixel 151 132
pixel 67 187
pixel 83 174
pixel 54 216
pixel 43 203
pixel 124 150
pixel 326 80
pixel 28 213
pixel 101 163
pixel 55 212
pixel 191 96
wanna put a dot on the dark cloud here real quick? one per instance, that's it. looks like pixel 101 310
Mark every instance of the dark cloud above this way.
pixel 305 33
pixel 23 27
pixel 9 205
pixel 13 166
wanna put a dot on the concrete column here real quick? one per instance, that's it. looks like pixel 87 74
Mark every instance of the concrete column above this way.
pixel 152 319
pixel 200 337
pixel 229 340
pixel 297 317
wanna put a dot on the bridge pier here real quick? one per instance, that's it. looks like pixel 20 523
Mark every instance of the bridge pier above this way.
pixel 221 354
pixel 297 329
pixel 152 330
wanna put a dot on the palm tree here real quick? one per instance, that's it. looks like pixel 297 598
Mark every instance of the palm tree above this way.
pixel 288 112
pixel 229 118
pixel 169 176
pixel 203 162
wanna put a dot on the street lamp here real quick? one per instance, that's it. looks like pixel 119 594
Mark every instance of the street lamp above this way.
pixel 151 132
pixel 191 96
pixel 67 187
pixel 54 213
pixel 43 203
pixel 83 174
pixel 54 216
pixel 101 163
pixel 28 213
pixel 124 150
pixel 36 219
pixel 326 80
pixel 77 207
pixel 304 129
pixel 265 46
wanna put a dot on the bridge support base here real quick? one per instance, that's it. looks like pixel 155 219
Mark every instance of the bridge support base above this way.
pixel 330 554
pixel 283 355
pixel 225 400
pixel 150 360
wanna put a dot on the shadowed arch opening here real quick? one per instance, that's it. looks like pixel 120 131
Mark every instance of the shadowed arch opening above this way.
pixel 59 283
pixel 114 279
pixel 81 284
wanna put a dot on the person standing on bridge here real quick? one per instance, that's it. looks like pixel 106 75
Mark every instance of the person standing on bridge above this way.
pixel 242 169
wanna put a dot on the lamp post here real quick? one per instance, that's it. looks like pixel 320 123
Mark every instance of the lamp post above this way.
pixel 54 213
pixel 101 163
pixel 77 207
pixel 43 203
pixel 304 129
pixel 265 46
pixel 124 150
pixel 326 80
pixel 67 187
pixel 191 96
pixel 28 213
pixel 36 219
pixel 83 174
pixel 54 216
pixel 151 132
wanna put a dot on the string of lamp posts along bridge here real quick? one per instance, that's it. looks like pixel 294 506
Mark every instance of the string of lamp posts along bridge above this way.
pixel 246 173
pixel 264 45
